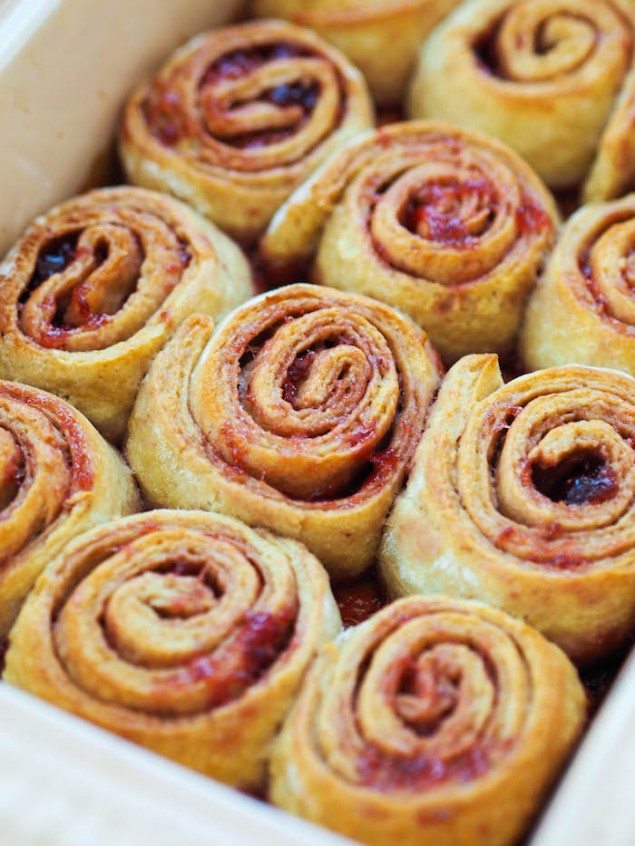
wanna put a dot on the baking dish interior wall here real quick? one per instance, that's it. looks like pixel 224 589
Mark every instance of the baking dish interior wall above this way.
pixel 65 68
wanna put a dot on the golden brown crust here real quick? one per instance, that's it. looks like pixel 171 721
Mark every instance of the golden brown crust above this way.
pixel 554 80
pixel 436 721
pixel 582 310
pixel 186 632
pixel 96 286
pixel 381 37
pixel 58 478
pixel 301 414
pixel 522 495
pixel 240 116
pixel 447 225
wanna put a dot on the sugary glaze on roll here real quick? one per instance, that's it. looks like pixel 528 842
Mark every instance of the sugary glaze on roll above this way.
pixel 239 116
pixel 583 309
pixel 447 225
pixel 58 478
pixel 381 37
pixel 186 632
pixel 523 495
pixel 95 287
pixel 552 78
pixel 300 414
pixel 436 721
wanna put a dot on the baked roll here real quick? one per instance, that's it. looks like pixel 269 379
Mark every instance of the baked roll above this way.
pixel 300 414
pixel 522 495
pixel 238 117
pixel 381 37
pixel 553 79
pixel 58 478
pixel 436 721
pixel 447 225
pixel 583 310
pixel 95 287
pixel 185 632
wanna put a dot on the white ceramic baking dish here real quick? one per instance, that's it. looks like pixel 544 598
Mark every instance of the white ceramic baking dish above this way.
pixel 65 66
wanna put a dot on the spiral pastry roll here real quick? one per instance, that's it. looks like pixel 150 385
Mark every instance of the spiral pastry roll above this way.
pixel 185 632
pixel 583 309
pixel 301 415
pixel 381 38
pixel 444 224
pixel 58 477
pixel 240 116
pixel 523 495
pixel 95 287
pixel 436 721
pixel 552 78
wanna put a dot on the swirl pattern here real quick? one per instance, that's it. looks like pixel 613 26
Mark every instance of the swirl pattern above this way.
pixel 183 631
pixel 446 225
pixel 301 414
pixel 583 309
pixel 96 286
pixel 381 37
pixel 247 113
pixel 554 80
pixel 411 727
pixel 59 478
pixel 523 495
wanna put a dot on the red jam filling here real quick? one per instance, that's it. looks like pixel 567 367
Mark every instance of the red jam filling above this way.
pixel 390 114
pixel 531 219
pixel 566 561
pixel 296 375
pixel 258 140
pixel 54 257
pixel 359 599
pixel 268 275
pixel 258 645
pixel 162 110
pixel 505 536
pixel 237 63
pixel 360 435
pixel 435 211
pixel 184 255
pixel 294 94
pixel 388 774
pixel 385 461
pixel 583 480
pixel 594 483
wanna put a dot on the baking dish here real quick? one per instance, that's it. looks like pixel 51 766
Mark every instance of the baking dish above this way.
pixel 65 66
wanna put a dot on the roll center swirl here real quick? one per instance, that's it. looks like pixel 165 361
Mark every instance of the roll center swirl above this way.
pixel 446 212
pixel 245 106
pixel 319 388
pixel 249 108
pixel 423 701
pixel 537 42
pixel 89 288
pixel 175 621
